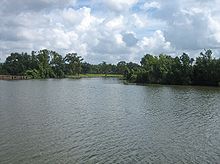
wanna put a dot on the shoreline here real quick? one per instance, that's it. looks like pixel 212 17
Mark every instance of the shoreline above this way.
pixel 94 76
pixel 125 82
pixel 13 77
pixel 154 84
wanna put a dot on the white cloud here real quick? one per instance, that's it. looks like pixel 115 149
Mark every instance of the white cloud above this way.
pixel 138 21
pixel 87 19
pixel 109 30
pixel 17 6
pixel 120 5
pixel 115 23
pixel 155 44
pixel 214 25
pixel 151 5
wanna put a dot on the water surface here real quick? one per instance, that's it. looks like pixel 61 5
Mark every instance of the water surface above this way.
pixel 104 121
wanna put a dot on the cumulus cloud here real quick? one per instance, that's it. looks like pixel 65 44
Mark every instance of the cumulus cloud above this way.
pixel 17 6
pixel 110 30
pixel 156 44
pixel 151 5
pixel 120 5
pixel 115 23
pixel 191 24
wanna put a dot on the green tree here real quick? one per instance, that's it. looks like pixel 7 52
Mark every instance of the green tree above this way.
pixel 17 64
pixel 43 61
pixel 58 64
pixel 104 68
pixel 1 69
pixel 174 75
pixel 186 68
pixel 74 63
pixel 151 67
pixel 205 72
pixel 122 67
pixel 86 68
pixel 34 74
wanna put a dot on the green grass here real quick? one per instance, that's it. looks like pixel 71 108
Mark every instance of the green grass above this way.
pixel 94 75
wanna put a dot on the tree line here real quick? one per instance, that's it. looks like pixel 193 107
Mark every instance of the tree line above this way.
pixel 50 64
pixel 183 70
pixel 162 69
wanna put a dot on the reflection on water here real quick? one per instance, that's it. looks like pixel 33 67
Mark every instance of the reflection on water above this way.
pixel 103 121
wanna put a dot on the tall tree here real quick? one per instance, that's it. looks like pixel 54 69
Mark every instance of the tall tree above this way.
pixel 57 63
pixel 17 64
pixel 202 68
pixel 74 63
pixel 122 67
pixel 186 68
pixel 86 68
pixel 43 59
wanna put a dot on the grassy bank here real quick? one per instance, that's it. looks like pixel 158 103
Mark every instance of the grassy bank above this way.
pixel 94 76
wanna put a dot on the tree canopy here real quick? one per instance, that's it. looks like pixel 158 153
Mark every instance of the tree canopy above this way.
pixel 161 69
pixel 183 70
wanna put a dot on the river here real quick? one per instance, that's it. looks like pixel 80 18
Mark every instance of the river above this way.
pixel 98 120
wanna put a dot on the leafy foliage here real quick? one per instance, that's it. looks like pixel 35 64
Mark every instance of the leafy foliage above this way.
pixel 50 64
pixel 179 70
pixel 162 69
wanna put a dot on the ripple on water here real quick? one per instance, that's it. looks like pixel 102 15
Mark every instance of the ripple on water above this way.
pixel 103 121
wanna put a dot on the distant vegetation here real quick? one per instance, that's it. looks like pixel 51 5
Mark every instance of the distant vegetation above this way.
pixel 183 70
pixel 50 64
pixel 162 69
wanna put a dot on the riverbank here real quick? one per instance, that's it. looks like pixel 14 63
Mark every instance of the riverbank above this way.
pixel 13 77
pixel 127 82
pixel 94 76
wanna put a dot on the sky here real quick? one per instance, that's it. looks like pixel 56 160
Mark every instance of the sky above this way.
pixel 110 30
